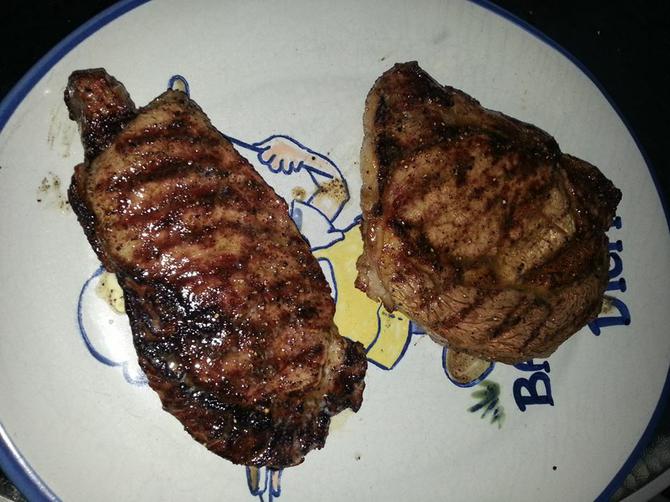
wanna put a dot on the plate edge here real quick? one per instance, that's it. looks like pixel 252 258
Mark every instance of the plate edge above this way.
pixel 12 462
pixel 656 415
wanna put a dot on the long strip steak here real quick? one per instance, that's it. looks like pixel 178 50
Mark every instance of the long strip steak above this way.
pixel 231 316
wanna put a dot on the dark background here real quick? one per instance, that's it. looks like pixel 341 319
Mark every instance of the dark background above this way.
pixel 625 44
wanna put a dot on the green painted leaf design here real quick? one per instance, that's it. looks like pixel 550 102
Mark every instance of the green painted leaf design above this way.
pixel 488 397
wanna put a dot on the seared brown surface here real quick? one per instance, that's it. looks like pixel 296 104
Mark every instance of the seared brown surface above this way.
pixel 475 224
pixel 231 315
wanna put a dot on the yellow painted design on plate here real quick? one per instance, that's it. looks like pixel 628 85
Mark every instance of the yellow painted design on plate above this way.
pixel 383 334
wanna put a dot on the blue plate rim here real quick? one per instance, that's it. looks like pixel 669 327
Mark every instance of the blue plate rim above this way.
pixel 13 463
pixel 17 467
pixel 648 433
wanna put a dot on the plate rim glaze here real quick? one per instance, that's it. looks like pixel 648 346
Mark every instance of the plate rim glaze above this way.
pixel 18 468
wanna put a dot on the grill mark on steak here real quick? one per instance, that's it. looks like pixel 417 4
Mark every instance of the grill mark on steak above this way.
pixel 455 319
pixel 388 152
pixel 163 168
pixel 171 133
pixel 536 332
pixel 464 164
pixel 381 114
pixel 510 321
pixel 163 198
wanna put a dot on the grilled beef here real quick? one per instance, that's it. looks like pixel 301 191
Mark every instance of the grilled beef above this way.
pixel 230 313
pixel 475 224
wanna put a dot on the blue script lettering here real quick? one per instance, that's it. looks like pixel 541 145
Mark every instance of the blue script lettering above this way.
pixel 531 366
pixel 533 396
pixel 620 319
pixel 617 266
pixel 616 283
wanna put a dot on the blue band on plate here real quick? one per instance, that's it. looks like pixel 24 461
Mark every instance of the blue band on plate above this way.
pixel 11 460
pixel 660 407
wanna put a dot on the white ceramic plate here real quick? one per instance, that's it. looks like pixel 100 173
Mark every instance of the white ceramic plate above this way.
pixel 77 420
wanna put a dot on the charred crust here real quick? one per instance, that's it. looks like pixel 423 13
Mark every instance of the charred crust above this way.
pixel 400 227
pixel 388 151
pixel 423 87
pixel 462 166
pixel 377 209
pixel 589 184
pixel 174 132
pixel 425 249
pixel 307 311
pixel 85 215
pixel 381 113
pixel 349 385
pixel 100 105
pixel 209 350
